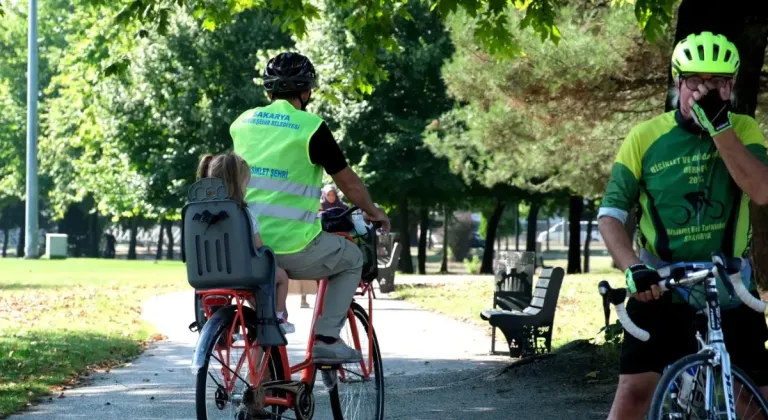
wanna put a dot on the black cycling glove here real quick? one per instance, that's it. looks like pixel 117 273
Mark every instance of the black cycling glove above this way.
pixel 641 277
pixel 713 113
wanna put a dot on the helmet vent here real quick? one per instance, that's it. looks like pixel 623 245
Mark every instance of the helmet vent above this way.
pixel 688 54
pixel 727 55
pixel 716 52
pixel 701 52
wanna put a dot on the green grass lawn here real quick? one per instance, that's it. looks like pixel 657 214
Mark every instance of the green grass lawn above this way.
pixel 579 311
pixel 59 319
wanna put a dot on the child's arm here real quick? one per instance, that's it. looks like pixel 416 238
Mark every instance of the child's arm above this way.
pixel 257 242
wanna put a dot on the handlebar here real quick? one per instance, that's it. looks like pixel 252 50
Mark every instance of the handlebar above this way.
pixel 728 270
pixel 347 212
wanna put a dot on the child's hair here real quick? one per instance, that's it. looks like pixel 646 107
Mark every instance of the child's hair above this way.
pixel 229 167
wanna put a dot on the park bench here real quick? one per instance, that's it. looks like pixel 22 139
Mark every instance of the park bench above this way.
pixel 542 264
pixel 528 330
pixel 512 283
pixel 387 266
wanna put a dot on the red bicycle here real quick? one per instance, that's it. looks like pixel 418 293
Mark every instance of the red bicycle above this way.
pixel 239 379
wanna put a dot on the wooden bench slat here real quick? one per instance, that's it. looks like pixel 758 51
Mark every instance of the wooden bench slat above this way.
pixel 537 302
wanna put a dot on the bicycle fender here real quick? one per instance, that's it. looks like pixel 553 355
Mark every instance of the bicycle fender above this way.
pixel 212 328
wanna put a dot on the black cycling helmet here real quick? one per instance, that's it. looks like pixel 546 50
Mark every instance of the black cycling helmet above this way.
pixel 289 72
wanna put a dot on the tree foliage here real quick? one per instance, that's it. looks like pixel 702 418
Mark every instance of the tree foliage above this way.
pixel 383 135
pixel 369 26
pixel 133 139
pixel 554 118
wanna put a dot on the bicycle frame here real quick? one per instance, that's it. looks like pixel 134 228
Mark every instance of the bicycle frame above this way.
pixel 715 345
pixel 307 366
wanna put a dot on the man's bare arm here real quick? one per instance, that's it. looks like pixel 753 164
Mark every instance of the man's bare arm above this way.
pixel 750 174
pixel 617 241
pixel 352 187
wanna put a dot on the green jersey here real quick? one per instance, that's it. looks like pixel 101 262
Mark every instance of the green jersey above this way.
pixel 687 203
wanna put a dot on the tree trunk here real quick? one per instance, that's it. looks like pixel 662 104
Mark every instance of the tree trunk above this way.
pixel 6 239
pixel 94 235
pixel 423 232
pixel 159 252
pixel 169 234
pixel 490 236
pixel 405 265
pixel 22 238
pixel 506 243
pixel 745 23
pixel 548 234
pixel 134 231
pixel 533 216
pixel 574 244
pixel 759 251
pixel 444 262
pixel 590 212
pixel 517 226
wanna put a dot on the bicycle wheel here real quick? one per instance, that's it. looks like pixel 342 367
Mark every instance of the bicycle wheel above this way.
pixel 223 390
pixel 681 392
pixel 355 396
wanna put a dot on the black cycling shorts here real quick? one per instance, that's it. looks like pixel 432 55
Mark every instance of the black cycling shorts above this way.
pixel 672 327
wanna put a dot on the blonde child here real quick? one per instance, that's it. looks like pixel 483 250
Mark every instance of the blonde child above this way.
pixel 235 173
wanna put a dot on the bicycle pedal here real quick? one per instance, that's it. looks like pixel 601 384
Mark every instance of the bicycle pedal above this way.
pixel 194 327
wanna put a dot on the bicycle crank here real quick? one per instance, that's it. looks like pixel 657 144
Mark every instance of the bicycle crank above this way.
pixel 303 397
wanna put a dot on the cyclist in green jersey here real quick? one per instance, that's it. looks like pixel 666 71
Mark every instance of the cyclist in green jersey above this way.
pixel 689 174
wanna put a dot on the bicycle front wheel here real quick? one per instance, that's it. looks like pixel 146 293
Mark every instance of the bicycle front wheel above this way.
pixel 682 392
pixel 359 390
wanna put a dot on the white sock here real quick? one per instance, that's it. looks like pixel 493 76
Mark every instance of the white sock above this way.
pixel 280 315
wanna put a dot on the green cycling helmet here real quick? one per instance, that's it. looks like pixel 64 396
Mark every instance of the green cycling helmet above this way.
pixel 705 53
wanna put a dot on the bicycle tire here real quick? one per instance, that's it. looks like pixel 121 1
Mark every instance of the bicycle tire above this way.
pixel 676 369
pixel 276 368
pixel 378 369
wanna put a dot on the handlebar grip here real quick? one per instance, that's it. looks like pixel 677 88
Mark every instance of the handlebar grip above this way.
pixel 604 288
pixel 752 302
pixel 630 326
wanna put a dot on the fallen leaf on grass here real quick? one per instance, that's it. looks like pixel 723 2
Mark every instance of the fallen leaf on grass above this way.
pixel 592 374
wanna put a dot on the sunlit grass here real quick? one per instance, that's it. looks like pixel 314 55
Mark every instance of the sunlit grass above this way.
pixel 58 319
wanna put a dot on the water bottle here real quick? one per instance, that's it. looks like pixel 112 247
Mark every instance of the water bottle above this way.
pixel 361 228
pixel 689 396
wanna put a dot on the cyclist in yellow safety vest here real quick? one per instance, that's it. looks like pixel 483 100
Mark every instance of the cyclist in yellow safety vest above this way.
pixel 287 150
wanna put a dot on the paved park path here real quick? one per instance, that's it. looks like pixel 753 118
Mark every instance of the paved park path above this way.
pixel 435 368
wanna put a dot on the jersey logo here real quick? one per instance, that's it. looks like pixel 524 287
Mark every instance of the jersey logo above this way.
pixel 698 204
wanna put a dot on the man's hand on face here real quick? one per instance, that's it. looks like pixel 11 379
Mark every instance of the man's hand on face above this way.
pixel 643 282
pixel 711 107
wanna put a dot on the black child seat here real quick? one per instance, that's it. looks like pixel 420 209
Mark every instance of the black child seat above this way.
pixel 218 250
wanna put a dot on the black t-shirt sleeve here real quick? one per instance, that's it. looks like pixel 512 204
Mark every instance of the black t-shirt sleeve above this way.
pixel 324 151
